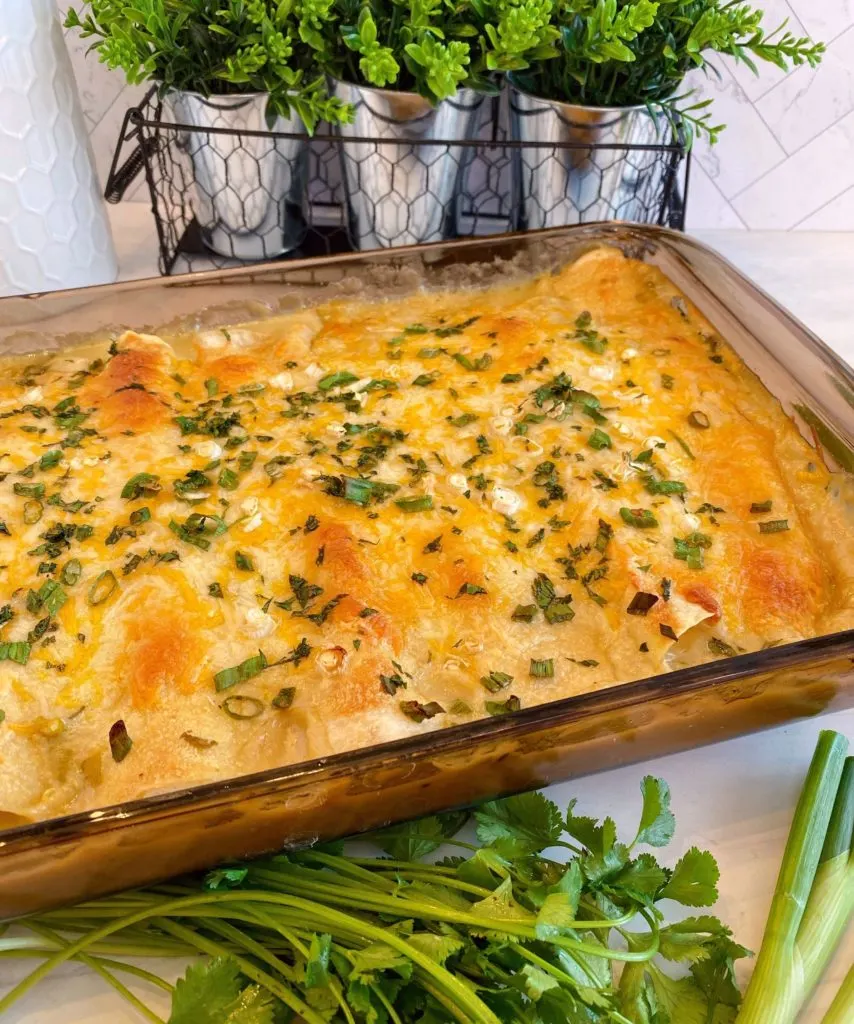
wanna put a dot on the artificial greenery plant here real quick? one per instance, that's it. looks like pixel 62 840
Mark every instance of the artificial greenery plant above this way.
pixel 623 53
pixel 215 47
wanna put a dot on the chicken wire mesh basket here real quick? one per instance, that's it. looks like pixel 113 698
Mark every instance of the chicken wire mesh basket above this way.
pixel 226 190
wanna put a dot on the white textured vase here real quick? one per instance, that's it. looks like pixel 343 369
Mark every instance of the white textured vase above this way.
pixel 54 231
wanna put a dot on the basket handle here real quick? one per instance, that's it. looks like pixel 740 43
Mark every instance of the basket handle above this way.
pixel 121 179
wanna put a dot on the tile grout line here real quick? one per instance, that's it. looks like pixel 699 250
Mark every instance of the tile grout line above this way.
pixel 726 202
pixel 764 174
pixel 818 209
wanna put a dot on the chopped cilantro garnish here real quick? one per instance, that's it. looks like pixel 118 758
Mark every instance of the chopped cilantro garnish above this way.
pixel 641 518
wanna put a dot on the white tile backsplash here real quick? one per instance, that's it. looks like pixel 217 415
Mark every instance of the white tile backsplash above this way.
pixel 808 101
pixel 802 184
pixel 786 159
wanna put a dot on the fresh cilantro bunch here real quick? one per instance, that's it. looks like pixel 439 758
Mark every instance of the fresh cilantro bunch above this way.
pixel 552 919
pixel 217 46
pixel 621 53
pixel 435 46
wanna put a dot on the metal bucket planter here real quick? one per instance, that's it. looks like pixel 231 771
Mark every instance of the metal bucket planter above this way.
pixel 249 189
pixel 554 187
pixel 402 192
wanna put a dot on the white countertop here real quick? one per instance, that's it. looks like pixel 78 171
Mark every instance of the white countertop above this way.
pixel 736 798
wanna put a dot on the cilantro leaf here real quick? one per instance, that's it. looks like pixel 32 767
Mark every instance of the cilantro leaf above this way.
pixel 694 880
pixel 715 974
pixel 557 914
pixel 438 947
pixel 684 1002
pixel 211 993
pixel 369 962
pixel 529 820
pixel 657 823
pixel 691 939
pixel 641 879
pixel 317 965
pixel 412 840
pixel 500 905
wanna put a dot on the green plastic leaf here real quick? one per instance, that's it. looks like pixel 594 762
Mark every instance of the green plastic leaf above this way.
pixel 530 820
pixel 657 823
pixel 694 880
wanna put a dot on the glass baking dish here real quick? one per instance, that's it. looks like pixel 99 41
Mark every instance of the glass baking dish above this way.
pixel 79 856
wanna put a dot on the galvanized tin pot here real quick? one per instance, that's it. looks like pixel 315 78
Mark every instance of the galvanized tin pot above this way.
pixel 250 190
pixel 399 193
pixel 554 187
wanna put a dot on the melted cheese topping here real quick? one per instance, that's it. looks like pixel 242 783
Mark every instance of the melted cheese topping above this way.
pixel 366 521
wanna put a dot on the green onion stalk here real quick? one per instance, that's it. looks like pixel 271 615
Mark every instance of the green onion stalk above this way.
pixel 841 1010
pixel 814 896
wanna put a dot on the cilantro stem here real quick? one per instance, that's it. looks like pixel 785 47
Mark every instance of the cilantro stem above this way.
pixel 99 967
pixel 378 992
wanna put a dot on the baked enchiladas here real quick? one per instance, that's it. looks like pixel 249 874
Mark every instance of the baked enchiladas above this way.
pixel 252 546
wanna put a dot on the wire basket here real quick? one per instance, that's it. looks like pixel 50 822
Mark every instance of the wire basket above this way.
pixel 224 196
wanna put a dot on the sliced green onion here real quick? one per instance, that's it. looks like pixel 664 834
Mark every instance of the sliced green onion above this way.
pixel 502 707
pixel 496 681
pixel 758 507
pixel 336 380
pixel 211 386
pixel 238 706
pixel 228 677
pixel 542 668
pixel 681 443
pixel 140 515
pixel 28 490
pixel 52 597
pixel 774 526
pixel 71 572
pixel 524 613
pixel 422 503
pixel 17 651
pixel 228 479
pixel 599 440
pixel 103 587
pixel 421 712
pixel 33 510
